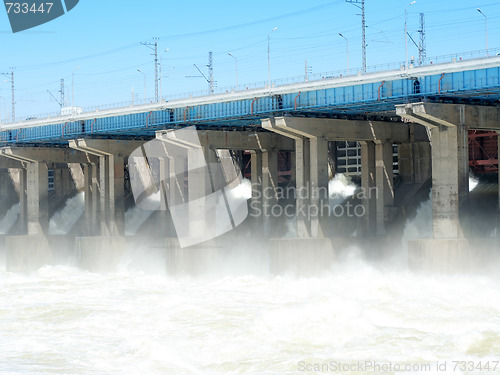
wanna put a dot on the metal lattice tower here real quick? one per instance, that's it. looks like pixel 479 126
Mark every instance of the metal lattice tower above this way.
pixel 61 91
pixel 156 72
pixel 210 72
pixel 154 47
pixel 422 53
pixel 13 98
pixel 361 5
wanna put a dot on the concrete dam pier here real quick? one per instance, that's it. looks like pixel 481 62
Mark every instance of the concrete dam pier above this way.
pixel 398 143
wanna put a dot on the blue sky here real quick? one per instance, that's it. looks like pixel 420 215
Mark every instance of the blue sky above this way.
pixel 103 38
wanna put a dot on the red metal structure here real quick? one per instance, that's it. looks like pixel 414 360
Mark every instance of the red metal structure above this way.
pixel 483 151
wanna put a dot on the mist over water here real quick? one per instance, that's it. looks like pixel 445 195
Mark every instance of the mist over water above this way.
pixel 65 219
pixel 135 217
pixel 10 218
pixel 239 319
pixel 421 225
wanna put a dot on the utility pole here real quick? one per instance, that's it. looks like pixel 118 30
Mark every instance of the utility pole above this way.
pixel 361 5
pixel 156 71
pixel 11 76
pixel 61 91
pixel 13 98
pixel 154 47
pixel 210 72
pixel 422 53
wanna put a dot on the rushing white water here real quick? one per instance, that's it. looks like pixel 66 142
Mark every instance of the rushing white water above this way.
pixel 243 190
pixel 473 182
pixel 65 219
pixel 62 320
pixel 341 187
pixel 421 225
pixel 9 219
pixel 66 321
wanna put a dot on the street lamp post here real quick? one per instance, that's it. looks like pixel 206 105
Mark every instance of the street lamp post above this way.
pixel 347 41
pixel 486 24
pixel 236 61
pixel 269 57
pixel 406 34
pixel 144 74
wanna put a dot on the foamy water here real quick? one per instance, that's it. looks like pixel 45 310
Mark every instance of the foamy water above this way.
pixel 66 321
pixel 62 320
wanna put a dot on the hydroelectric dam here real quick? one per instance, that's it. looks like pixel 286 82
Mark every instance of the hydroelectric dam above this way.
pixel 398 133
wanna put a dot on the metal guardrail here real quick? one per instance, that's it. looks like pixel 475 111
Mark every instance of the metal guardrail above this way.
pixel 443 59
pixel 368 97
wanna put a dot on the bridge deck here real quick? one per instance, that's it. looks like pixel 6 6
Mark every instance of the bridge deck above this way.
pixel 473 81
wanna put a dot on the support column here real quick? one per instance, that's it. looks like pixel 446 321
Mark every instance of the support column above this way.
pixel 29 252
pixel 91 199
pixel 309 252
pixel 111 179
pixel 104 197
pixel 112 195
pixel 448 124
pixel 449 179
pixel 256 202
pixel 37 198
pixel 384 194
pixel 319 183
pixel 463 162
pixel 23 201
pixel 368 175
pixel 269 185
pixel 118 194
pixel 301 160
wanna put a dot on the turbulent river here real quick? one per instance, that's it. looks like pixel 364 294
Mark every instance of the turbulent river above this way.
pixel 62 320
pixel 356 318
